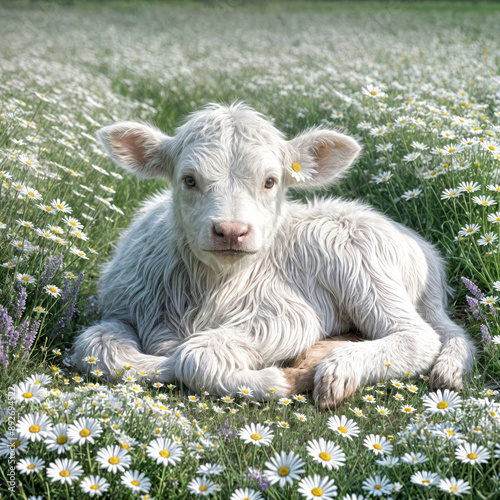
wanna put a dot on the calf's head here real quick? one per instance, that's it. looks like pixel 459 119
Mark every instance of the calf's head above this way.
pixel 229 169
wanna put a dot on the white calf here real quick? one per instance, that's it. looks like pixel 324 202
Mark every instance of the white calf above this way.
pixel 220 279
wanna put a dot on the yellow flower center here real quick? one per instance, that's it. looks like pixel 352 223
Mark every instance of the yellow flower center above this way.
pixel 453 488
pixel 256 437
pixel 16 443
pixel 325 456
pixel 377 446
pixel 442 405
pixel 62 440
pixel 64 473
pixel 342 429
pixel 84 433
pixel 203 488
pixel 296 167
pixel 31 466
pixel 91 360
pixel 378 486
pixel 34 428
pixel 164 453
pixel 317 492
pixel 135 483
pixel 94 487
pixel 472 456
pixel 114 460
pixel 27 395
pixel 60 207
pixel 283 471
pixel 373 92
pixel 52 289
pixel 492 148
pixel 426 480
pixel 484 202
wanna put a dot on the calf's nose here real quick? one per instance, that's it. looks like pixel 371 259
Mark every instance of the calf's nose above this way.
pixel 231 233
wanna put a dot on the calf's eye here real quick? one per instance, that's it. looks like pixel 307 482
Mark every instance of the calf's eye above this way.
pixel 190 182
pixel 269 183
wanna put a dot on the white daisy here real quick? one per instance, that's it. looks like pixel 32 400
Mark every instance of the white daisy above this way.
pixel 377 486
pixel 94 485
pixel 210 470
pixel 57 438
pixel 442 401
pixel 34 426
pixel 284 468
pixel 317 488
pixel 16 444
pixel 425 478
pixel 114 458
pixel 26 392
pixel 136 481
pixel 495 218
pixel 246 494
pixel 64 470
pixel 256 434
pixel 347 428
pixel 84 430
pixel 52 290
pixel 487 239
pixel 471 453
pixel 30 465
pixel 326 453
pixel 485 201
pixel 378 444
pixel 454 486
pixel 39 379
pixel 201 486
pixel 414 458
pixel 164 451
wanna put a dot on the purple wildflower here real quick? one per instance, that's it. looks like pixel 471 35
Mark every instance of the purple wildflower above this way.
pixel 226 431
pixel 4 355
pixel 70 311
pixel 21 296
pixel 30 335
pixel 262 482
pixel 473 288
pixel 475 308
pixel 485 334
pixel 66 290
pixel 52 264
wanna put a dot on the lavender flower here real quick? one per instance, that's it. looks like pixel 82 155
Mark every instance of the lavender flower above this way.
pixel 21 296
pixel 7 330
pixel 52 264
pixel 70 311
pixel 473 288
pixel 226 431
pixel 485 334
pixel 4 355
pixel 475 308
pixel 66 290
pixel 30 335
pixel 262 482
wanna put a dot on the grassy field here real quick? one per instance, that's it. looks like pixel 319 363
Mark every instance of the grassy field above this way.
pixel 417 84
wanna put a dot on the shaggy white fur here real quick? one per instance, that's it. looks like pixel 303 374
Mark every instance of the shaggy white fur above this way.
pixel 220 308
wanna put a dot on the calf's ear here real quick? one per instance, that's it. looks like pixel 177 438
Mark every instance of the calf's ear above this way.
pixel 139 148
pixel 318 156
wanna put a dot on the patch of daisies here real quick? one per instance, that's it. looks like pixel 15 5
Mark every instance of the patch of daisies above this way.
pixel 97 439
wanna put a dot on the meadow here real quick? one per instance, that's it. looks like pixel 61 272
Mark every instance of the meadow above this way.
pixel 418 85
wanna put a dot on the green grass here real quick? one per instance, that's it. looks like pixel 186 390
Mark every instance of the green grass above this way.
pixel 439 62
